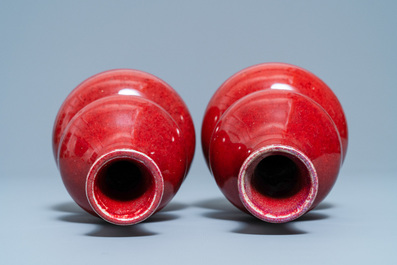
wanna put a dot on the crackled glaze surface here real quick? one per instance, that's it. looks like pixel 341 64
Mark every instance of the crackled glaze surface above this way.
pixel 282 114
pixel 123 123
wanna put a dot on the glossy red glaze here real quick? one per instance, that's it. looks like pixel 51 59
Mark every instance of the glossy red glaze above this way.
pixel 123 141
pixel 274 136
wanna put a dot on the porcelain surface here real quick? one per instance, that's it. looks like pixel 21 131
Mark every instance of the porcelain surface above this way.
pixel 268 120
pixel 123 141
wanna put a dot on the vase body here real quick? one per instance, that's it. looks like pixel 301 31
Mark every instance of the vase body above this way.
pixel 274 136
pixel 123 141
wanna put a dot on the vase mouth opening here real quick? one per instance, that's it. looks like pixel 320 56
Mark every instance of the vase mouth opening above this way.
pixel 124 187
pixel 277 183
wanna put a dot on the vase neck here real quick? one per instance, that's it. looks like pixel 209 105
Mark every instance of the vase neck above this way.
pixel 277 183
pixel 124 186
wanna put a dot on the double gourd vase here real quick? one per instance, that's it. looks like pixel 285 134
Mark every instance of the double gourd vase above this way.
pixel 274 136
pixel 123 141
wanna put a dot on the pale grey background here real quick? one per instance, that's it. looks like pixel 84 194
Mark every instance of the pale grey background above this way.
pixel 49 47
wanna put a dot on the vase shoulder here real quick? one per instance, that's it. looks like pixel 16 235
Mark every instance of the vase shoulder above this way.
pixel 275 77
pixel 126 82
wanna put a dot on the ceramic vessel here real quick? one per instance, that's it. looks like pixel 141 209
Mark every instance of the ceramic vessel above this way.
pixel 123 141
pixel 274 137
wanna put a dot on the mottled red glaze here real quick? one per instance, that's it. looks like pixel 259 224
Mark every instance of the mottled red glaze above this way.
pixel 277 110
pixel 117 121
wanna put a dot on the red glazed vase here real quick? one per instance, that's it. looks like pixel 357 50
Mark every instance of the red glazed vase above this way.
pixel 123 141
pixel 274 136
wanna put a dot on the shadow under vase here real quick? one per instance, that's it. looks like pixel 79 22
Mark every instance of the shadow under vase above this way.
pixel 221 209
pixel 104 229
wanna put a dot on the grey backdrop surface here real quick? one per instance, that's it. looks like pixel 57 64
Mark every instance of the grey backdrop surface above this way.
pixel 49 47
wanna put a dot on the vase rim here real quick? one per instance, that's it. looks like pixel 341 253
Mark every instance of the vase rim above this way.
pixel 261 211
pixel 152 202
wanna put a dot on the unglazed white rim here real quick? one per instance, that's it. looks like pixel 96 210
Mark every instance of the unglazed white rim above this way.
pixel 260 213
pixel 128 154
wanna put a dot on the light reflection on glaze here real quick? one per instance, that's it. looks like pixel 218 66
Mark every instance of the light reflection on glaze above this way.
pixel 130 92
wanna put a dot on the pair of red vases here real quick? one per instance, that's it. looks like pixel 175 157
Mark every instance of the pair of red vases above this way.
pixel 274 136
